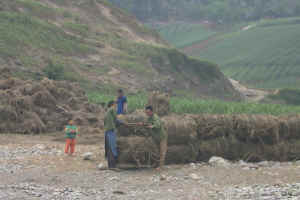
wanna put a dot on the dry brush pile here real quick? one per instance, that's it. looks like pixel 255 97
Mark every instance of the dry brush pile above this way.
pixel 44 106
pixel 193 138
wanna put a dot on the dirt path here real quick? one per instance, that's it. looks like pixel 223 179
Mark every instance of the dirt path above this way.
pixel 34 167
pixel 252 95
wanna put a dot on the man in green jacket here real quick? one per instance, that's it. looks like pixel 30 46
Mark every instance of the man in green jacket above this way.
pixel 158 134
pixel 110 122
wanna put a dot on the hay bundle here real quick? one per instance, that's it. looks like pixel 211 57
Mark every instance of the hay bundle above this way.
pixel 30 89
pixel 86 119
pixel 214 126
pixel 160 103
pixel 28 106
pixel 227 147
pixel 8 83
pixel 181 129
pixel 259 128
pixel 48 84
pixel 291 126
pixel 92 108
pixel 5 72
pixel 61 94
pixel 7 113
pixel 137 150
pixel 44 99
pixel 32 124
pixel 22 103
pixel 177 154
pixel 74 103
pixel 137 116
pixel 235 137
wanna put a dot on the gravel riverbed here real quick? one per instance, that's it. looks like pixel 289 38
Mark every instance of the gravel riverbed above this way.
pixel 34 167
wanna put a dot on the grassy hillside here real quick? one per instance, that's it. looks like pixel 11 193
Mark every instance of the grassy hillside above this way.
pixel 100 46
pixel 265 55
pixel 182 34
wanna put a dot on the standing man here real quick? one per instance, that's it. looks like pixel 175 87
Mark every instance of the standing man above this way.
pixel 158 134
pixel 121 103
pixel 110 122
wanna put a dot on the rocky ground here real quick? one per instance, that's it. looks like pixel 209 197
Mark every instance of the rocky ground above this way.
pixel 35 167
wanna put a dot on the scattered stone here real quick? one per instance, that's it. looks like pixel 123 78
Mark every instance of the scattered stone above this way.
pixel 194 176
pixel 266 192
pixel 193 165
pixel 163 177
pixel 40 146
pixel 87 156
pixel 218 162
pixel 102 166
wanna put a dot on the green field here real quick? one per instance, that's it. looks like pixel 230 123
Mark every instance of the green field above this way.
pixel 184 34
pixel 182 105
pixel 265 56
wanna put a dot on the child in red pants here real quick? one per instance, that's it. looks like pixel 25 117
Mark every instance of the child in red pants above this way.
pixel 71 132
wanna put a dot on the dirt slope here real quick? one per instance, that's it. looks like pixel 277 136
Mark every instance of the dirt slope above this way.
pixel 99 46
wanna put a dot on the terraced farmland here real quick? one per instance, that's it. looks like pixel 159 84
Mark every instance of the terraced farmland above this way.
pixel 184 34
pixel 266 55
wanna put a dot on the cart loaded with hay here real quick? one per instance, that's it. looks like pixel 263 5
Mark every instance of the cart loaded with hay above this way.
pixel 196 138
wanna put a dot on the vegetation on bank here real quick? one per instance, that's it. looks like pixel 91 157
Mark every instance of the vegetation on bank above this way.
pixel 183 105
pixel 20 32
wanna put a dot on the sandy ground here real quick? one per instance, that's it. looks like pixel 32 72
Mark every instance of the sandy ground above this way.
pixel 35 167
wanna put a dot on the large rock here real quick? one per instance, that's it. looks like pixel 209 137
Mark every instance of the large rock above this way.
pixel 218 162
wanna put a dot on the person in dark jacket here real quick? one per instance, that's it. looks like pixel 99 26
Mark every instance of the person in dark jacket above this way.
pixel 110 126
pixel 121 103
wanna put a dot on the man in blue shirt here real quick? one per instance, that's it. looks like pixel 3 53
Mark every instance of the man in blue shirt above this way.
pixel 121 103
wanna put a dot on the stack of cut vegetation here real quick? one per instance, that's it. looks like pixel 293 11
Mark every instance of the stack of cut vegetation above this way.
pixel 160 103
pixel 133 142
pixel 238 136
pixel 44 106
pixel 193 138
pixel 182 140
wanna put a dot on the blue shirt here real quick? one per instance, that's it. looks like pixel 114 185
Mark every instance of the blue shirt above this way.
pixel 120 102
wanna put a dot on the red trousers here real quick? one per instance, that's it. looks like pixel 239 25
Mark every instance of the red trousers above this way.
pixel 70 143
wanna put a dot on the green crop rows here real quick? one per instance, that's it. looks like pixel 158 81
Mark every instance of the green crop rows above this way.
pixel 266 55
pixel 182 105
pixel 183 34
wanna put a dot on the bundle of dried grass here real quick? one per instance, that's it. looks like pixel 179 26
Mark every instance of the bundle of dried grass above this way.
pixel 181 129
pixel 160 103
pixel 213 126
pixel 37 107
pixel 137 150
pixel 290 126
pixel 259 128
pixel 178 154
pixel 135 117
